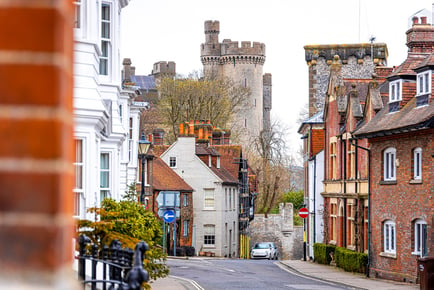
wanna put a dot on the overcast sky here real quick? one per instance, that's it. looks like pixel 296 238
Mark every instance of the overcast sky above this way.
pixel 173 30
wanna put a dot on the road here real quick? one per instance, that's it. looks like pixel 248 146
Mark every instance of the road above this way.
pixel 217 274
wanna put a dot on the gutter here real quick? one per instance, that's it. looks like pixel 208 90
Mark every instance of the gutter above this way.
pixel 369 203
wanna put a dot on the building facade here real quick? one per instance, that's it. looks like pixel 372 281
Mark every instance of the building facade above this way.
pixel 244 66
pixel 402 165
pixel 105 118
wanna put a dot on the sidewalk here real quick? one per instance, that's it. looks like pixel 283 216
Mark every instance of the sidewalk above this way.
pixel 334 274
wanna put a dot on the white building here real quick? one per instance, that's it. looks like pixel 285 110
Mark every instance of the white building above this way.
pixel 215 196
pixel 106 123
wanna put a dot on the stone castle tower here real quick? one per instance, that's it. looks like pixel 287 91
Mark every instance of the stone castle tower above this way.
pixel 244 66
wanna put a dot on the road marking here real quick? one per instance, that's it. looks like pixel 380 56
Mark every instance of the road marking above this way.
pixel 192 282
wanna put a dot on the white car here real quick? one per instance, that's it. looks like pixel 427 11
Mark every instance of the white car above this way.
pixel 265 250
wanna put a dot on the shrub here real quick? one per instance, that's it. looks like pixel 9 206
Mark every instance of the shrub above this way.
pixel 322 253
pixel 351 261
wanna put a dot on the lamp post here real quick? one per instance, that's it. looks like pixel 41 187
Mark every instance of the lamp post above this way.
pixel 144 145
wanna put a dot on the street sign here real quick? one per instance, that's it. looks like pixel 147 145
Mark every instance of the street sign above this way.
pixel 303 212
pixel 169 215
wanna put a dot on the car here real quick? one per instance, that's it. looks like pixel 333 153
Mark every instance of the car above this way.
pixel 265 250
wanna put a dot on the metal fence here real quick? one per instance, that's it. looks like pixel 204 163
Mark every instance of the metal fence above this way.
pixel 111 268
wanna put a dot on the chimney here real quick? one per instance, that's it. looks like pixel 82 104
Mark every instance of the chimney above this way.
pixel 415 20
pixel 423 20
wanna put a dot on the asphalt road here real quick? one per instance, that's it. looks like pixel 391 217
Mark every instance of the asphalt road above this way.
pixel 218 274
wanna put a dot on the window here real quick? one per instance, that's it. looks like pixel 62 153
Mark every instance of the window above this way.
pixel 395 91
pixel 420 238
pixel 333 161
pixel 78 186
pixel 172 162
pixel 209 199
pixel 351 162
pixel 77 13
pixel 185 228
pixel 351 229
pixel 105 39
pixel 209 235
pixel 424 83
pixel 389 236
pixel 417 163
pixel 230 199
pixel 185 199
pixel 389 160
pixel 333 217
pixel 130 140
pixel 104 176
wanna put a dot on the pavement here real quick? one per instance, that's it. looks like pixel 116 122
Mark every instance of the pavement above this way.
pixel 304 268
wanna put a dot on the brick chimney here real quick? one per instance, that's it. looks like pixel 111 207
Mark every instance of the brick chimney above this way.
pixel 420 37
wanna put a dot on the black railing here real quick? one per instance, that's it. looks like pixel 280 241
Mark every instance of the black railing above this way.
pixel 116 267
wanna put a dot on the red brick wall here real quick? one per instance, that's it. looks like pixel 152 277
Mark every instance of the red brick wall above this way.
pixel 36 152
pixel 402 202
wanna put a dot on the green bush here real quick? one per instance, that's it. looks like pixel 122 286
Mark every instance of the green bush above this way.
pixel 351 261
pixel 322 253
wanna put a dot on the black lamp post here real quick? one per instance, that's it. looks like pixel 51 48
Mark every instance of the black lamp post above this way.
pixel 144 145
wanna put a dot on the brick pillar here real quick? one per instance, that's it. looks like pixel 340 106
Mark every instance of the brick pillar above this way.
pixel 36 152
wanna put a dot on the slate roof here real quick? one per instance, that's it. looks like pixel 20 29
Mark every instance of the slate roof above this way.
pixel 204 150
pixel 229 158
pixel 224 175
pixel 164 178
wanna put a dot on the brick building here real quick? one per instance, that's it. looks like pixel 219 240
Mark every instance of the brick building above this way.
pixel 402 165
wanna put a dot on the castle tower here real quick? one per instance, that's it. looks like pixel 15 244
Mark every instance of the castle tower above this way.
pixel 358 61
pixel 244 66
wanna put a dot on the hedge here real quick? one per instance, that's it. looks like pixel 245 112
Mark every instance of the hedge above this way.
pixel 322 253
pixel 348 260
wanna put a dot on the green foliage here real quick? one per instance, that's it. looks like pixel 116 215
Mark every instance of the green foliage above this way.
pixel 130 223
pixel 351 261
pixel 322 253
pixel 297 200
pixel 131 193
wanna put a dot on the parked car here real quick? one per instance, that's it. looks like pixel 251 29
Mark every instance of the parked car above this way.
pixel 266 250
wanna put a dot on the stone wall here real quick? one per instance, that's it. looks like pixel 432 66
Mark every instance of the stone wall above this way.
pixel 279 228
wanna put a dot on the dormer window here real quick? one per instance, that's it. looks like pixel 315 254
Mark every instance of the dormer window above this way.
pixel 395 91
pixel 424 83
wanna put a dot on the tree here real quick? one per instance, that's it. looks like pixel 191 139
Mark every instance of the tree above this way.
pixel 191 99
pixel 128 222
pixel 272 166
pixel 297 200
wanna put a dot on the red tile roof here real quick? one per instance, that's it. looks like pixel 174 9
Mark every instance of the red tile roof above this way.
pixel 164 178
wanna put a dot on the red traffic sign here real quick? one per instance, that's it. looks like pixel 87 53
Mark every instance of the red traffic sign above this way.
pixel 303 212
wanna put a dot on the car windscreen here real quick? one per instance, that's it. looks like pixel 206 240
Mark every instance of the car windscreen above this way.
pixel 262 246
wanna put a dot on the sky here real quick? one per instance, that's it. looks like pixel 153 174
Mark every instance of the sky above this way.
pixel 173 30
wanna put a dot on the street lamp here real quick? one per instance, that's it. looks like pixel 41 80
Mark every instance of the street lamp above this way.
pixel 144 145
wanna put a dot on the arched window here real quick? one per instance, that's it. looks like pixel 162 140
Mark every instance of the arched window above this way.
pixel 420 237
pixel 389 161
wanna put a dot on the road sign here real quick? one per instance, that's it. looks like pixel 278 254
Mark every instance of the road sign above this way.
pixel 303 212
pixel 169 215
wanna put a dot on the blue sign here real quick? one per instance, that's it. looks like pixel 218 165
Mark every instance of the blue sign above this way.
pixel 169 215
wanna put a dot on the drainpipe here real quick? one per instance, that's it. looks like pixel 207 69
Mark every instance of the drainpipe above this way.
pixel 369 203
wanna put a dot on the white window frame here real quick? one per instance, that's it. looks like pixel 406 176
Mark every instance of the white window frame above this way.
pixel 79 176
pixel 424 83
pixel 172 162
pixel 395 91
pixel 208 198
pixel 105 191
pixel 419 225
pixel 389 160
pixel 389 235
pixel 106 40
pixel 209 235
pixel 78 12
pixel 417 163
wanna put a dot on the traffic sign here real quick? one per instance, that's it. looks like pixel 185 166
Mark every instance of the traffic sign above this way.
pixel 303 212
pixel 169 215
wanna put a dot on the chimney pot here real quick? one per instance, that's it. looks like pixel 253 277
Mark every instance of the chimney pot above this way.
pixel 423 20
pixel 415 20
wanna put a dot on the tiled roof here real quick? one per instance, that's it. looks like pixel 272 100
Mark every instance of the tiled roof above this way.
pixel 427 62
pixel 229 158
pixel 407 67
pixel 164 178
pixel 224 175
pixel 407 118
pixel 145 83
pixel 204 150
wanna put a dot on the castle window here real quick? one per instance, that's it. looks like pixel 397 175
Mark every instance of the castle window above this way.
pixel 245 83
